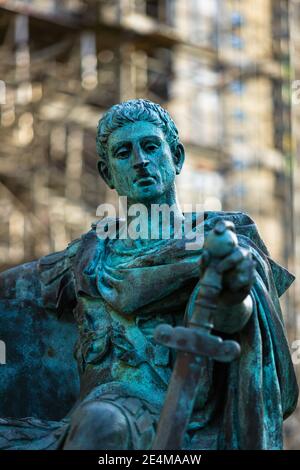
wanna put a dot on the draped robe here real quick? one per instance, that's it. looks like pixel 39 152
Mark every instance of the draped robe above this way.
pixel 116 297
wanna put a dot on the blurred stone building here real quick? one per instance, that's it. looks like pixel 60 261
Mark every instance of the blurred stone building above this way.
pixel 221 67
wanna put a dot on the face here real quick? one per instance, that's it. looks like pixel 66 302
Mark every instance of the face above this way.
pixel 140 162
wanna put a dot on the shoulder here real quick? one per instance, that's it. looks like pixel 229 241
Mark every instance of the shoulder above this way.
pixel 248 235
pixel 63 274
pixel 245 226
pixel 240 219
pixel 54 264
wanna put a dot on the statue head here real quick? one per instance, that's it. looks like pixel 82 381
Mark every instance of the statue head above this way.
pixel 139 150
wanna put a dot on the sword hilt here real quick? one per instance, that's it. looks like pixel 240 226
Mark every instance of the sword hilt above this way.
pixel 197 342
pixel 219 243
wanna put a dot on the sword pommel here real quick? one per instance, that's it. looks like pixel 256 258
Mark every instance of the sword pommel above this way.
pixel 221 239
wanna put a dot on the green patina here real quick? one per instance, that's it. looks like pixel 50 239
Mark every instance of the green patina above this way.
pixel 104 299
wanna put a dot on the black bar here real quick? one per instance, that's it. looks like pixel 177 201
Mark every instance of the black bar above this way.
pixel 134 459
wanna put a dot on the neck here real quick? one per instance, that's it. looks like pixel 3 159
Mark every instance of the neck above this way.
pixel 151 212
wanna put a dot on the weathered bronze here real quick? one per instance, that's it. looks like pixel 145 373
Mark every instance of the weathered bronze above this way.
pixel 106 298
pixel 193 341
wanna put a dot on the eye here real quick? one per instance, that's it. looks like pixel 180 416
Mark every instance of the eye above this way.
pixel 122 153
pixel 150 147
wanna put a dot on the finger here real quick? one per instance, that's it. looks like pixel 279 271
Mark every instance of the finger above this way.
pixel 246 267
pixel 230 261
pixel 244 276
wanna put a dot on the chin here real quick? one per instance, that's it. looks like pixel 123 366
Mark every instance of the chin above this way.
pixel 148 193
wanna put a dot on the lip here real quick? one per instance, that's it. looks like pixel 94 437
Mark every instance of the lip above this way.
pixel 145 180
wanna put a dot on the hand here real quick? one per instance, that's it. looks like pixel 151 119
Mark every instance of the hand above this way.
pixel 238 274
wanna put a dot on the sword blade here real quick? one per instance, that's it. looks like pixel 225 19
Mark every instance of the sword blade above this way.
pixel 179 402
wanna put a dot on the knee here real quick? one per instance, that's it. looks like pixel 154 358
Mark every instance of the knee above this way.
pixel 98 426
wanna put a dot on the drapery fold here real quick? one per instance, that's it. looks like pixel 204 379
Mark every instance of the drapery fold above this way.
pixel 244 402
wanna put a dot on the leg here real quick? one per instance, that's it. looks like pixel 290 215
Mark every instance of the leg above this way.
pixel 98 425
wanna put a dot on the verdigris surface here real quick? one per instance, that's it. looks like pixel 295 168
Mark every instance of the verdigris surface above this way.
pixel 104 299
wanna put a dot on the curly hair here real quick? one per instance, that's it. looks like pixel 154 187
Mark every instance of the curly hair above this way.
pixel 132 111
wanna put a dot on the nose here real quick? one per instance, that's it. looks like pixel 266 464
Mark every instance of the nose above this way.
pixel 140 159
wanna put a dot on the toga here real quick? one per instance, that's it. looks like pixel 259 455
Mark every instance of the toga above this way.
pixel 103 301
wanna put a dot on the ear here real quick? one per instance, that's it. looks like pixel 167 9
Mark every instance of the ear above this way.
pixel 105 174
pixel 178 158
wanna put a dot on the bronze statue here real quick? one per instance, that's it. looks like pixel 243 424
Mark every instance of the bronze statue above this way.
pixel 118 297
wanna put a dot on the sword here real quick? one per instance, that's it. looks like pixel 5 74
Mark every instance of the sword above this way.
pixel 195 342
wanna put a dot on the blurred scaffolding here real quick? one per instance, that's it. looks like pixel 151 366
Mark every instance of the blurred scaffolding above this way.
pixel 222 69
